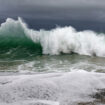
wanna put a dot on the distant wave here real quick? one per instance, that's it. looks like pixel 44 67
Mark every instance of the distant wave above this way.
pixel 15 34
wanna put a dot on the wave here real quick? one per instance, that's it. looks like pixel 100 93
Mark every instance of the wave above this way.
pixel 15 36
pixel 15 41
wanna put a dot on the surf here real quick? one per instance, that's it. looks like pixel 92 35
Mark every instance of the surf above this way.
pixel 15 36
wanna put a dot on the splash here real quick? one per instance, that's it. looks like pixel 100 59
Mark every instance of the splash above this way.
pixel 16 34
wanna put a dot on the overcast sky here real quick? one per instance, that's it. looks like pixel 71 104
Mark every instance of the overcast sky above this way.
pixel 78 10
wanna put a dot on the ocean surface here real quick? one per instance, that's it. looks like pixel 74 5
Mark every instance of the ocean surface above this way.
pixel 61 66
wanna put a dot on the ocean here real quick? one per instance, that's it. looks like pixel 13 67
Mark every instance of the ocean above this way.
pixel 61 66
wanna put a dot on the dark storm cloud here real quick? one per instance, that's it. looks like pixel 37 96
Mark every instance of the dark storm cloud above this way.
pixel 58 3
pixel 93 10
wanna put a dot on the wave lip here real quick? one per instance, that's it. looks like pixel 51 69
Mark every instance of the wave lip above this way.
pixel 16 34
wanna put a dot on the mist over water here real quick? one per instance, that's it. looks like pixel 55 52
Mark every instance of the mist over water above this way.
pixel 60 66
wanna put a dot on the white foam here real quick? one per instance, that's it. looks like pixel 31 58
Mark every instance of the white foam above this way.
pixel 50 89
pixel 68 40
pixel 33 102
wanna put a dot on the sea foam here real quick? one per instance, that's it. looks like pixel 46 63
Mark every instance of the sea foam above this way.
pixel 69 88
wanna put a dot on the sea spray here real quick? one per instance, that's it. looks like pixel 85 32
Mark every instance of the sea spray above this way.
pixel 16 34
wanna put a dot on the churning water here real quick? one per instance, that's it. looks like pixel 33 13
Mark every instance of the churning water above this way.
pixel 56 67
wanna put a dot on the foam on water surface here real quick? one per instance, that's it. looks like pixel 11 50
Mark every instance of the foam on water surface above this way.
pixel 52 88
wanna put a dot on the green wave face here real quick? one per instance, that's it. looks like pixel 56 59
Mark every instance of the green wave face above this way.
pixel 14 42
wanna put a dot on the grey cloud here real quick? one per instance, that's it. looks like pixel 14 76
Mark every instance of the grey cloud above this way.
pixel 58 3
pixel 55 9
pixel 53 3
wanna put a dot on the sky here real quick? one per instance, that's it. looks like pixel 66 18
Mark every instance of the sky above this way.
pixel 89 14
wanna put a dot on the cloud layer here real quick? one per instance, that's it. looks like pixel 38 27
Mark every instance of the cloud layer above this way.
pixel 93 10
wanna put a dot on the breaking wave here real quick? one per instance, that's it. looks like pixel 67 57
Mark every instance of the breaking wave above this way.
pixel 16 37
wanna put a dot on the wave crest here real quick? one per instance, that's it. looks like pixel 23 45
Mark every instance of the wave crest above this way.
pixel 15 33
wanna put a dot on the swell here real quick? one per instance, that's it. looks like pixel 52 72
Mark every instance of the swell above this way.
pixel 16 38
